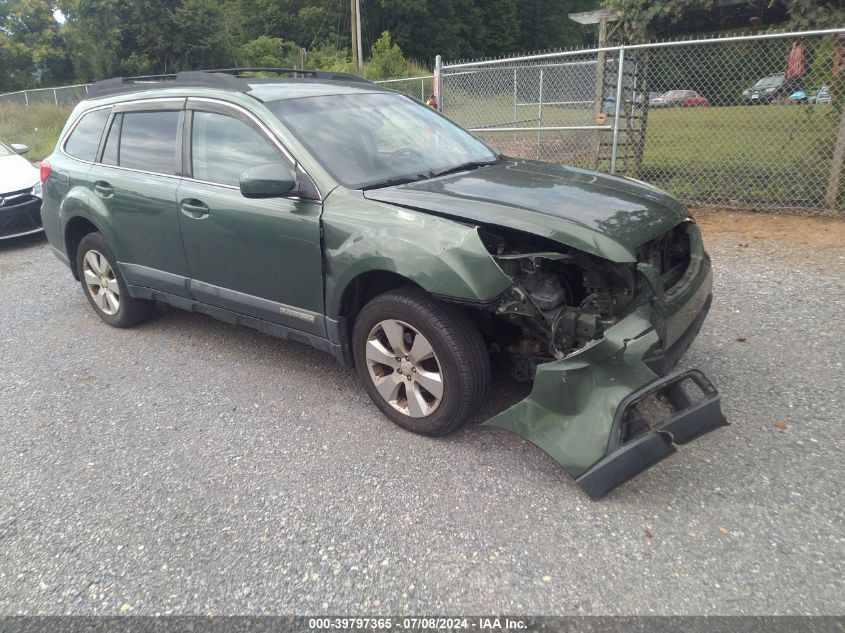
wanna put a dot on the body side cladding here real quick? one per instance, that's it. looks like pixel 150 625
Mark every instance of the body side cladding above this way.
pixel 62 257
pixel 224 298
pixel 341 352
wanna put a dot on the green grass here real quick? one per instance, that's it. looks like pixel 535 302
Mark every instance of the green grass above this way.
pixel 37 125
pixel 773 155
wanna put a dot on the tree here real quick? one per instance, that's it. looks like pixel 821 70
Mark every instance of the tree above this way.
pixel 32 49
pixel 638 19
pixel 387 60
pixel 269 52
pixel 815 14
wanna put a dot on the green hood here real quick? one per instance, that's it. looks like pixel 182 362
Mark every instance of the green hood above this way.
pixel 603 215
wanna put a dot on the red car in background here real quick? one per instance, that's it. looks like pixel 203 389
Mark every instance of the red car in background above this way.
pixel 679 99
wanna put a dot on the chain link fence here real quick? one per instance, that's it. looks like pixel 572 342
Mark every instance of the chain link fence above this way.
pixel 65 95
pixel 741 122
pixel 420 88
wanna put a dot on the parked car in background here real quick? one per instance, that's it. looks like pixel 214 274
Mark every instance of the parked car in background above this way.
pixel 823 96
pixel 679 99
pixel 20 193
pixel 765 90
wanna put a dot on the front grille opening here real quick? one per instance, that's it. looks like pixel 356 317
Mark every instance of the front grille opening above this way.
pixel 22 219
pixel 656 408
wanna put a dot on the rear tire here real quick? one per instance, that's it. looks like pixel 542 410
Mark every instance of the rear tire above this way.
pixel 423 363
pixel 104 286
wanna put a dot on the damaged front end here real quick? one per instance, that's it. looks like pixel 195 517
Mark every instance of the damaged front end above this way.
pixel 598 339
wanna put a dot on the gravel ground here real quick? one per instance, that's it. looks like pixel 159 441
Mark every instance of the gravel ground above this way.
pixel 188 466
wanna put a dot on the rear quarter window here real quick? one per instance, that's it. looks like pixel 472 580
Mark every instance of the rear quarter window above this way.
pixel 85 137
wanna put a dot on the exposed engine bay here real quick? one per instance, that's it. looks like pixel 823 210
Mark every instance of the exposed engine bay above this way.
pixel 563 299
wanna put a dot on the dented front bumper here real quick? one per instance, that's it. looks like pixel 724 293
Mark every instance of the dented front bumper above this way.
pixel 579 406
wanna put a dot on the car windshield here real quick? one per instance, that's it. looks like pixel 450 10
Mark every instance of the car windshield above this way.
pixel 379 139
pixel 767 82
pixel 674 94
pixel 5 151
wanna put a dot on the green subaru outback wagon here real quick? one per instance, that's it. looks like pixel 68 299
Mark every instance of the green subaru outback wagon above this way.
pixel 324 209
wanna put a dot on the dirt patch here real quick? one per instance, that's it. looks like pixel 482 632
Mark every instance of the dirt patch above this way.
pixel 817 232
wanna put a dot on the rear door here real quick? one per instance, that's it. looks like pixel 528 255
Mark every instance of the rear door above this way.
pixel 135 178
pixel 261 257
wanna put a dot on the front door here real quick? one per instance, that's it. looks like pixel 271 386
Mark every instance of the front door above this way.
pixel 260 257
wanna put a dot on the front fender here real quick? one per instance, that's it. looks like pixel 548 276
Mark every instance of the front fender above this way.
pixel 442 256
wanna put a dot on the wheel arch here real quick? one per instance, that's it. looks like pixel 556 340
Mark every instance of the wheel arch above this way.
pixel 77 228
pixel 363 288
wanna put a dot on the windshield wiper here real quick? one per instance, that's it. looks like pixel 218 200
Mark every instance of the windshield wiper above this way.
pixel 475 164
pixel 391 182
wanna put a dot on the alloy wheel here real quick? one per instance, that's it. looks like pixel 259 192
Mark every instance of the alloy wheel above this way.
pixel 101 282
pixel 404 368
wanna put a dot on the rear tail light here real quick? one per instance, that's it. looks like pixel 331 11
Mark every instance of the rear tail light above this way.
pixel 45 170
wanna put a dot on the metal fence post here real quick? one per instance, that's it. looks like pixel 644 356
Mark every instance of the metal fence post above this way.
pixel 617 111
pixel 422 88
pixel 539 113
pixel 515 115
pixel 55 97
pixel 835 179
pixel 438 82
pixel 25 98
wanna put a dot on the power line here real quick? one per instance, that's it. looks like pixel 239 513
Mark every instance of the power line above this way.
pixel 322 24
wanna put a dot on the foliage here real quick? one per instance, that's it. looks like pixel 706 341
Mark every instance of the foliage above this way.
pixel 269 52
pixel 816 14
pixel 639 18
pixel 32 49
pixel 103 38
pixel 386 60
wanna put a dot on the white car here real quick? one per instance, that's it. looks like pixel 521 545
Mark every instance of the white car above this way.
pixel 20 193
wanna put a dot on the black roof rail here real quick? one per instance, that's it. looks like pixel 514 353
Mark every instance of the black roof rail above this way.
pixel 191 78
pixel 316 74
pixel 222 78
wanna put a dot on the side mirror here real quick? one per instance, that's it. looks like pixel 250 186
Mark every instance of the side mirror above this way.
pixel 267 181
pixel 20 148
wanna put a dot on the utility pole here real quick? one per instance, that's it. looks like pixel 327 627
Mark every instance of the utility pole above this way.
pixel 357 48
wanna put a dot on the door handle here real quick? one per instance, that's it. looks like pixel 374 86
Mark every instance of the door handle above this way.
pixel 194 208
pixel 103 189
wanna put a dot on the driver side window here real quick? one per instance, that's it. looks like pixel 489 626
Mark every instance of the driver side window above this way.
pixel 223 147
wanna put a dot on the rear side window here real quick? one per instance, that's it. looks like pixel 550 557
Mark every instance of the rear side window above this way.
pixel 85 138
pixel 148 141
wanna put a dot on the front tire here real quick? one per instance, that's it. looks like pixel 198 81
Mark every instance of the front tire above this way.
pixel 104 286
pixel 423 363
